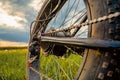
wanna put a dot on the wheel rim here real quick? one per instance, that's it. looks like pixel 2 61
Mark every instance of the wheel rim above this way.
pixel 59 61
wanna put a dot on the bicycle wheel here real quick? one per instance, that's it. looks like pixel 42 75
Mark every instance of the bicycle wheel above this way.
pixel 97 64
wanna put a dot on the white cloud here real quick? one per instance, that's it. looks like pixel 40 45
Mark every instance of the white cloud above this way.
pixel 10 21
pixel 0 4
pixel 36 4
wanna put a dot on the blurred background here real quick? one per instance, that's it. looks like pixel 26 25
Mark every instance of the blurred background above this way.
pixel 15 19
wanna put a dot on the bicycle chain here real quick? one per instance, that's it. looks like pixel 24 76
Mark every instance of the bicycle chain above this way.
pixel 100 19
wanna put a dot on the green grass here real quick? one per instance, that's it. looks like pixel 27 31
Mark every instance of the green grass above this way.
pixel 12 65
pixel 60 68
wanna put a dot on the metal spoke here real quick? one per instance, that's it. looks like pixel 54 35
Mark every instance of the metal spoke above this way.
pixel 40 74
pixel 75 11
pixel 82 33
pixel 61 68
pixel 74 15
pixel 67 14
pixel 71 50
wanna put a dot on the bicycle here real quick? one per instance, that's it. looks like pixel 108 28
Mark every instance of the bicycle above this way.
pixel 101 60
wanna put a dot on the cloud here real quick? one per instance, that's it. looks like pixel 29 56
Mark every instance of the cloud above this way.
pixel 15 19
pixel 36 4
pixel 10 21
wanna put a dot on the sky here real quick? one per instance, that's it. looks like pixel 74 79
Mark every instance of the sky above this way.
pixel 15 19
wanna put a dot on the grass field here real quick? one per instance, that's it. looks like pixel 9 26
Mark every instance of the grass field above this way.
pixel 12 65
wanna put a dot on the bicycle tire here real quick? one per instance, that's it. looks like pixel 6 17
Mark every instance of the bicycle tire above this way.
pixel 102 64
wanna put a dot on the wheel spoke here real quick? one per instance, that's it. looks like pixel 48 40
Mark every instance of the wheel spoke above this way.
pixel 61 68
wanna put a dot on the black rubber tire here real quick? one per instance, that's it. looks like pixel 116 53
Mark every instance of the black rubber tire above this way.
pixel 102 64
